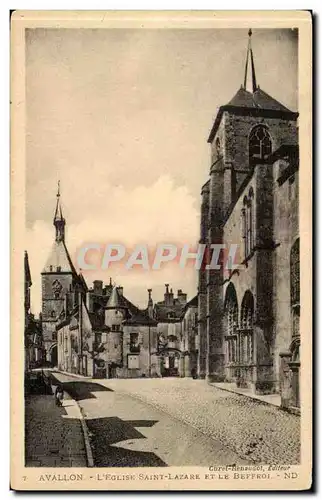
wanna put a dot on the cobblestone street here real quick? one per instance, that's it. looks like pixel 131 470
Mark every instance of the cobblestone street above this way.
pixel 256 431
pixel 181 422
pixel 127 432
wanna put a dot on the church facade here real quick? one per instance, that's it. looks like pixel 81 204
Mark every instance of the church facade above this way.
pixel 249 313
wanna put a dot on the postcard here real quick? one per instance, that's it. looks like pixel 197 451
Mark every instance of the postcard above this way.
pixel 161 227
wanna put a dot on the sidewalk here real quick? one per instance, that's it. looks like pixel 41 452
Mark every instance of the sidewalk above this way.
pixel 76 375
pixel 53 435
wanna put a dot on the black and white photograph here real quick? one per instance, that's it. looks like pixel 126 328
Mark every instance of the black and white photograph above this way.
pixel 160 249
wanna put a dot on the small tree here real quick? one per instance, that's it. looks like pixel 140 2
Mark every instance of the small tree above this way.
pixel 97 348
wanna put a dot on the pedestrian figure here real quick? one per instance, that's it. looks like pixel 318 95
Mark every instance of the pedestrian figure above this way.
pixel 59 395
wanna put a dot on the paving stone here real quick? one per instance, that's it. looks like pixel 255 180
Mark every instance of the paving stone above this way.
pixel 257 431
pixel 50 439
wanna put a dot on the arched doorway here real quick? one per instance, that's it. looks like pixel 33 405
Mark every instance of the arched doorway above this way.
pixel 231 332
pixel 53 355
pixel 247 352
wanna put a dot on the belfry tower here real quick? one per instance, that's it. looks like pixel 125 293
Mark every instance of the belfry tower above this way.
pixel 58 278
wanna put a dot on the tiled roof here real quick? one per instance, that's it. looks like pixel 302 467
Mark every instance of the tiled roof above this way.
pixel 134 315
pixel 140 318
pixel 165 313
pixel 258 102
pixel 258 99
pixel 59 258
pixel 115 300
pixel 192 303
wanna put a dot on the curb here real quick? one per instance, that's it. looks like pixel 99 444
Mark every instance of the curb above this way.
pixel 293 411
pixel 88 449
pixel 72 374
pixel 249 396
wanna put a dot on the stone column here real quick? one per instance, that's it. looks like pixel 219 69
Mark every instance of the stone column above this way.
pixel 285 379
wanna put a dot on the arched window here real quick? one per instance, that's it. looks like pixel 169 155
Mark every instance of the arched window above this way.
pixel 251 219
pixel 295 287
pixel 231 316
pixel 260 144
pixel 246 328
pixel 248 224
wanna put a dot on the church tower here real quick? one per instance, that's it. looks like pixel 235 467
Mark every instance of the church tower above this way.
pixel 245 132
pixel 58 278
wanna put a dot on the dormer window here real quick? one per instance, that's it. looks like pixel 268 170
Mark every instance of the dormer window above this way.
pixel 134 342
pixel 260 144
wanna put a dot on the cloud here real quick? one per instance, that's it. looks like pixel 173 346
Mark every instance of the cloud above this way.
pixel 160 213
pixel 122 117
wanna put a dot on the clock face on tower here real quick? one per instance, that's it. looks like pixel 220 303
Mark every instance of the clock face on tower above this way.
pixel 57 288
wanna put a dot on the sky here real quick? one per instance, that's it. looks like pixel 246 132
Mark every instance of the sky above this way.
pixel 121 117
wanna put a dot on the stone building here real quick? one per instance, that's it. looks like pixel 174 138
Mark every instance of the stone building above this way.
pixel 106 336
pixel 249 313
pixel 58 280
pixel 98 332
pixel 168 314
pixel 189 340
pixel 177 334
pixel 33 341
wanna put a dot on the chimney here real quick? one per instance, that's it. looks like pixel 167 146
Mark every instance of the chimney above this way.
pixel 98 287
pixel 182 297
pixel 150 303
pixel 66 305
pixel 120 290
pixel 168 296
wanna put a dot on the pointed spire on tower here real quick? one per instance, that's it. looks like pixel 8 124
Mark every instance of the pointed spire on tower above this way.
pixel 58 211
pixel 250 59
pixel 59 221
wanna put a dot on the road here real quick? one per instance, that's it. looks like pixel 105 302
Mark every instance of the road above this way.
pixel 169 422
pixel 126 432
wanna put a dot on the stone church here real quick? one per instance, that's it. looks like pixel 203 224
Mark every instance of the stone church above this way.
pixel 248 324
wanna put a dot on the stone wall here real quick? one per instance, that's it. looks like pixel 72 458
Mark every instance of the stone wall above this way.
pixel 286 231
pixel 52 305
